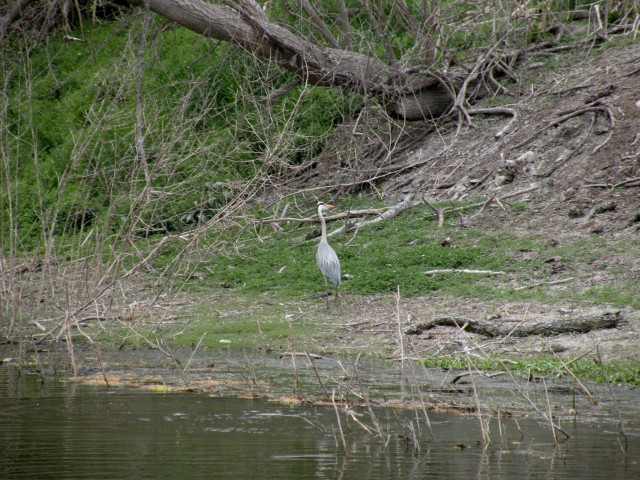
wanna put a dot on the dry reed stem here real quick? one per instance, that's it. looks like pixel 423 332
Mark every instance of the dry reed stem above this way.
pixel 335 408
pixel 315 371
pixel 549 412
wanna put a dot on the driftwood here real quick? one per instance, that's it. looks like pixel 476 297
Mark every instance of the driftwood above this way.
pixel 502 328
pixel 464 270
pixel 331 218
pixel 392 212
pixel 380 213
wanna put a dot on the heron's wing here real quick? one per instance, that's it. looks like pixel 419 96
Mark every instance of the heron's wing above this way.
pixel 328 262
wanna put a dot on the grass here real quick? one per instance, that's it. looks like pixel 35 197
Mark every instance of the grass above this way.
pixel 70 119
pixel 263 294
pixel 380 258
pixel 615 371
pixel 219 320
pixel 238 324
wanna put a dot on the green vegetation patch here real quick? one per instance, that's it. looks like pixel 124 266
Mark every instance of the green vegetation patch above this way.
pixel 615 371
pixel 70 131
pixel 219 320
pixel 395 254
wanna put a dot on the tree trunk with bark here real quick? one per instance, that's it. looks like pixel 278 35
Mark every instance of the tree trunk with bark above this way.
pixel 405 94
pixel 13 13
pixel 411 97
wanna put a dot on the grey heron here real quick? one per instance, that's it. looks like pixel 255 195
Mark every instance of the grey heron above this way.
pixel 326 257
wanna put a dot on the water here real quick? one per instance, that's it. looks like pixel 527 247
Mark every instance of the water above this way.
pixel 64 429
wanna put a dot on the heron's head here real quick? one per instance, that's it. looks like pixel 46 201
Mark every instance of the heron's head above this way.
pixel 324 206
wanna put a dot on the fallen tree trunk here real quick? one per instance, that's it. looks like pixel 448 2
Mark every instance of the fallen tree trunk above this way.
pixel 503 328
pixel 406 95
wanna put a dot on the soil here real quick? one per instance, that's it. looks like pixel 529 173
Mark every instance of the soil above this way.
pixel 579 177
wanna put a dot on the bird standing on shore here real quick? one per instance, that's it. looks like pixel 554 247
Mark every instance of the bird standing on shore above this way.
pixel 326 257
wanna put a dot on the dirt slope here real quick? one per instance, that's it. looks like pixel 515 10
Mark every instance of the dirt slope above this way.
pixel 575 164
pixel 573 155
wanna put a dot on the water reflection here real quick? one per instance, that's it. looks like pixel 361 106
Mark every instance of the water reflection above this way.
pixel 65 430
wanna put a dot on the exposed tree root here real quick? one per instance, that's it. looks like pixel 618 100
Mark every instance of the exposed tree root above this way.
pixel 594 107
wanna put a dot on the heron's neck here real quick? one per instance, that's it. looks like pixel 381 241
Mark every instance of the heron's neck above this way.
pixel 323 225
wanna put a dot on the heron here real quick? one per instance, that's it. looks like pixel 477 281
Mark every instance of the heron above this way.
pixel 326 257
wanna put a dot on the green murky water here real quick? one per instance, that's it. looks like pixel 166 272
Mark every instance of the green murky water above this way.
pixel 63 429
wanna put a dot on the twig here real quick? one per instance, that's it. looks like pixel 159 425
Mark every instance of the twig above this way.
pixel 550 413
pixel 485 205
pixel 335 407
pixel 283 90
pixel 315 370
pixel 400 340
pixel 139 134
pixel 354 417
pixel 519 192
pixel 539 284
pixel 484 427
pixel 615 399
pixel 498 200
pixel 612 125
pixel 332 218
pixel 573 375
pixel 40 370
pixel 631 182
pixel 69 38
pixel 319 25
pixel 301 354
pixel 438 211
pixel 546 416
pixel 464 270
pixel 194 352
pixel 462 375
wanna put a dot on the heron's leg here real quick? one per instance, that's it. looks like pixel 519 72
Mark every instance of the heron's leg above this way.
pixel 326 291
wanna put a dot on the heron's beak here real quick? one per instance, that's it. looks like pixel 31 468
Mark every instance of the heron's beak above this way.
pixel 330 206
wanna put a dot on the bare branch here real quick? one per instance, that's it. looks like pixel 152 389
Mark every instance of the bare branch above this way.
pixel 392 212
pixel 319 25
pixel 497 111
pixel 345 25
pixel 558 121
pixel 464 270
pixel 142 155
